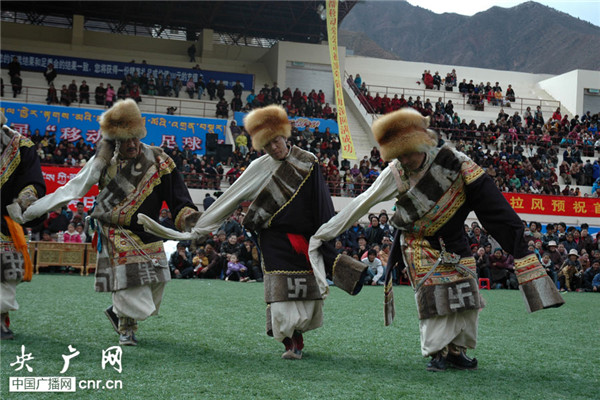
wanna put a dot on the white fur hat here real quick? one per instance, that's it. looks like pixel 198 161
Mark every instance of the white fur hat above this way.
pixel 123 121
pixel 402 132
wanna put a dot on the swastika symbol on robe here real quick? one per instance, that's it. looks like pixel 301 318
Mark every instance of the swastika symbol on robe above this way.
pixel 297 288
pixel 457 296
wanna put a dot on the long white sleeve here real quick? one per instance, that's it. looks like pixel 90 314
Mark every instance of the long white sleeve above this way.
pixel 246 188
pixel 74 189
pixel 384 188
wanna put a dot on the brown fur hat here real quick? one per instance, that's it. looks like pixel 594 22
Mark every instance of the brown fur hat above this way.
pixel 265 124
pixel 122 121
pixel 403 132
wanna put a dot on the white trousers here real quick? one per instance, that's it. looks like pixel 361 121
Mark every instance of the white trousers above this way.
pixel 8 296
pixel 459 329
pixel 138 302
pixel 290 316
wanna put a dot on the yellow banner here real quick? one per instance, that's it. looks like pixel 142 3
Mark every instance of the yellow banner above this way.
pixel 348 151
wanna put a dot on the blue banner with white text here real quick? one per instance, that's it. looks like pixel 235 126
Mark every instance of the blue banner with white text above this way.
pixel 73 124
pixel 118 70
pixel 300 123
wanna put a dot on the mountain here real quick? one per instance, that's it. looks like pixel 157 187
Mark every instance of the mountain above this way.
pixel 529 37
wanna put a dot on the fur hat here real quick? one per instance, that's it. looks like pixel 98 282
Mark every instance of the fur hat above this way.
pixel 403 132
pixel 2 118
pixel 122 121
pixel 265 124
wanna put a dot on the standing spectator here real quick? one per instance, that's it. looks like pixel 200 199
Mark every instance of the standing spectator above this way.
pixel 65 98
pixel 84 93
pixel 237 89
pixel 122 92
pixel 200 86
pixel 110 95
pixel 14 68
pixel 17 84
pixel 100 94
pixel 211 88
pixel 192 52
pixel 51 96
pixel 220 90
pixel 50 73
pixel 72 91
pixel 134 93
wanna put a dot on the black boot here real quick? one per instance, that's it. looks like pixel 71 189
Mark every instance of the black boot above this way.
pixel 437 363
pixel 112 317
pixel 458 359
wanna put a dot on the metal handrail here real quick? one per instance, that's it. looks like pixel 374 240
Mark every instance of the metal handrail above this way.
pixel 520 103
pixel 152 104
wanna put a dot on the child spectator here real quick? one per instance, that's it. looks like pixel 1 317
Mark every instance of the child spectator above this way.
pixel 71 235
pixel 236 270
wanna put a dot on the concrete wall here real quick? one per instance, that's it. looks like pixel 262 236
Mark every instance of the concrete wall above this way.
pixel 569 88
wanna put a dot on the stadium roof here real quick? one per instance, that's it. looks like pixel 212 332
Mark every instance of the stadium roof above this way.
pixel 298 21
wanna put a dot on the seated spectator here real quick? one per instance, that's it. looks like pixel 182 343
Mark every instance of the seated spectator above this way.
pixel 71 235
pixel 213 269
pixel 569 276
pixel 79 228
pixel 222 108
pixel 482 260
pixel 180 263
pixel 250 258
pixel 190 88
pixel 236 271
pixel 510 94
pixel 501 271
pixel 375 269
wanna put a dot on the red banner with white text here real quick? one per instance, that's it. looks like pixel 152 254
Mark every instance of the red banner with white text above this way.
pixel 56 177
pixel 561 206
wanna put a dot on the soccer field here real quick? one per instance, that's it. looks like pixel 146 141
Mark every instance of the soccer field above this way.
pixel 209 343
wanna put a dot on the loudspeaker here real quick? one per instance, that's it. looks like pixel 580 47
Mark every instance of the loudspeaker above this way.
pixel 211 141
pixel 224 151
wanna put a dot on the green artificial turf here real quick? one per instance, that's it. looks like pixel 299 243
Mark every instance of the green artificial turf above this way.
pixel 209 343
